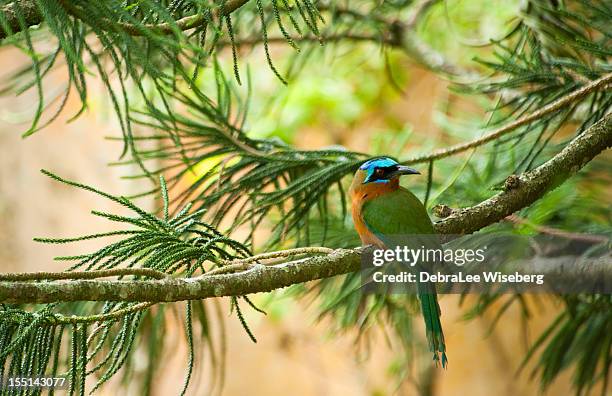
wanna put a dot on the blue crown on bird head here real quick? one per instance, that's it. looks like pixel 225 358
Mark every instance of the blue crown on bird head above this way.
pixel 384 169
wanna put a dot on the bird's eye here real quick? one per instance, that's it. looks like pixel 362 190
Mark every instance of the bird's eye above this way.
pixel 379 171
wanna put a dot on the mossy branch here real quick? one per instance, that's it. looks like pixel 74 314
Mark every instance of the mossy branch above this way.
pixel 29 11
pixel 529 187
pixel 259 278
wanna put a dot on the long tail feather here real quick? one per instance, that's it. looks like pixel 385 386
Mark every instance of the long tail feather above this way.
pixel 433 326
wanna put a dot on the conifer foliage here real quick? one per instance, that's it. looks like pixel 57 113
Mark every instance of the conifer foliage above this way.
pixel 161 62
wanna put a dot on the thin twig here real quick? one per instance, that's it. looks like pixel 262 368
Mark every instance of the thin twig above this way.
pixel 284 253
pixel 226 269
pixel 29 276
pixel 419 11
pixel 530 186
pixel 600 83
pixel 556 232
pixel 401 34
pixel 183 24
pixel 55 319
pixel 115 315
pixel 247 263
pixel 253 41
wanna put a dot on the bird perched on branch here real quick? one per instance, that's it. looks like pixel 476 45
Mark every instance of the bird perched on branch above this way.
pixel 386 214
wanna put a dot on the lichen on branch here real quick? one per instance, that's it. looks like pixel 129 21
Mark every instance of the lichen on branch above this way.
pixel 531 186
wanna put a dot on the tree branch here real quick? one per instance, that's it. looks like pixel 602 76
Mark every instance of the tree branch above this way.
pixel 32 16
pixel 29 11
pixel 259 278
pixel 396 34
pixel 525 190
pixel 185 23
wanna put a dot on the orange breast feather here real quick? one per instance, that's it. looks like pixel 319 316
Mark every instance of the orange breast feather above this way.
pixel 360 194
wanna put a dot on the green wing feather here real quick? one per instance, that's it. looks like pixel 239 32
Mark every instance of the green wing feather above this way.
pixel 391 217
pixel 395 213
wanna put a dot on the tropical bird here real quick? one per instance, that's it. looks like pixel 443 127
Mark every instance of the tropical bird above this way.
pixel 383 213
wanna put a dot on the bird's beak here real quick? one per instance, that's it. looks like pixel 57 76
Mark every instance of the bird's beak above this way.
pixel 405 170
